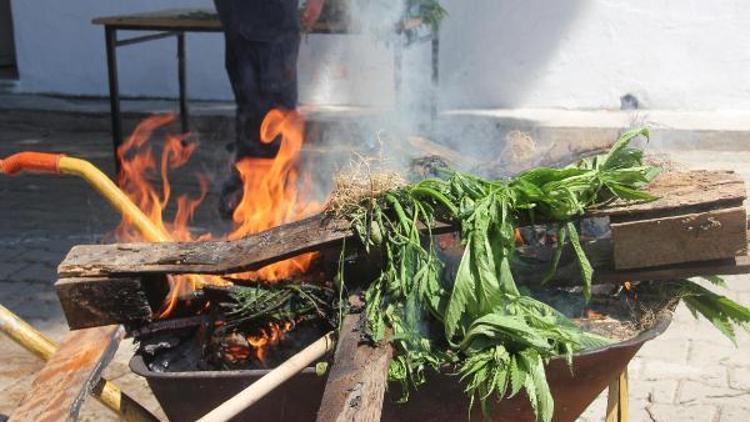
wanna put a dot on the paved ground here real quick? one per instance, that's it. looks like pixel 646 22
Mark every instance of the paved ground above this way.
pixel 689 373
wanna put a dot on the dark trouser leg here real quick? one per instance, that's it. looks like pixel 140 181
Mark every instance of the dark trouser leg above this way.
pixel 263 77
pixel 274 85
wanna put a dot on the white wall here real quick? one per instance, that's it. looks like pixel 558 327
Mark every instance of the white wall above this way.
pixel 671 54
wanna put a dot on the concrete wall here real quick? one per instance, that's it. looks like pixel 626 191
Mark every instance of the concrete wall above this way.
pixel 671 54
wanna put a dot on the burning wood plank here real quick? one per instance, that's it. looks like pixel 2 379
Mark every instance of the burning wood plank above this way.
pixel 89 302
pixel 59 389
pixel 213 257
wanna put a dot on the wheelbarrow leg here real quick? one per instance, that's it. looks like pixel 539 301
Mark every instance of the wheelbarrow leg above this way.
pixel 617 400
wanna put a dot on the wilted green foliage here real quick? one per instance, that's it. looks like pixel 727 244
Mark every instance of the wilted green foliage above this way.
pixel 496 338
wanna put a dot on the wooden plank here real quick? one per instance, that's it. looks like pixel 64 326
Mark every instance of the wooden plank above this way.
pixel 358 379
pixel 681 193
pixel 709 190
pixel 59 389
pixel 196 19
pixel 213 257
pixel 175 18
pixel 692 237
pixel 91 302
pixel 600 254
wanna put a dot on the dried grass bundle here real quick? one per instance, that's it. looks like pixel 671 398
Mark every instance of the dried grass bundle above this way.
pixel 359 182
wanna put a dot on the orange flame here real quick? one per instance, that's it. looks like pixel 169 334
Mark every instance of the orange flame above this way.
pixel 270 192
pixel 268 337
pixel 274 192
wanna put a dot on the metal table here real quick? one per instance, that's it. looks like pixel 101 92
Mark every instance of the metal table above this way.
pixel 176 22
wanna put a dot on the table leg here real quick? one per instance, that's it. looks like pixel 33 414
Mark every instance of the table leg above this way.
pixel 114 92
pixel 182 81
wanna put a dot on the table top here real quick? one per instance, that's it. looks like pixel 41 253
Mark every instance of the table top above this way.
pixel 201 20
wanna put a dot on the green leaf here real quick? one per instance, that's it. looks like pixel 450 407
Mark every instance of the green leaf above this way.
pixel 721 311
pixel 624 192
pixel 715 280
pixel 536 381
pixel 462 296
pixel 516 375
pixel 587 271
pixel 561 236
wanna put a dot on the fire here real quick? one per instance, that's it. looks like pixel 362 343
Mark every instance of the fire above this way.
pixel 268 337
pixel 274 193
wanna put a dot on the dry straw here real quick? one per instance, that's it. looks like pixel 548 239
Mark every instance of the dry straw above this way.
pixel 365 178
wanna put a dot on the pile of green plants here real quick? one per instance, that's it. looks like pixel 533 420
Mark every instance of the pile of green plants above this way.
pixel 481 326
pixel 259 304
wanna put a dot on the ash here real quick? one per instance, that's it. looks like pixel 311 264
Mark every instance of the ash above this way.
pixel 191 349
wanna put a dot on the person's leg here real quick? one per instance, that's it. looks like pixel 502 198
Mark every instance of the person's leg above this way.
pixel 242 69
pixel 278 73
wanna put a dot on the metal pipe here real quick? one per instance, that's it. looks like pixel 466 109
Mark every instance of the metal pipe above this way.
pixel 182 78
pixel 116 197
pixel 60 164
pixel 110 40
pixel 41 162
pixel 43 347
pixel 144 38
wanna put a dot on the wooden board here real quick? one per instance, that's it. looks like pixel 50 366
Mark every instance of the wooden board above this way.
pixel 681 193
pixel 90 302
pixel 358 379
pixel 213 257
pixel 195 19
pixel 59 389
pixel 600 254
pixel 205 19
pixel 692 237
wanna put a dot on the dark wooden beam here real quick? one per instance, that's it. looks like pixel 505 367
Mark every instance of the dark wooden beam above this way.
pixel 356 385
pixel 211 257
pixel 92 302
pixel 60 388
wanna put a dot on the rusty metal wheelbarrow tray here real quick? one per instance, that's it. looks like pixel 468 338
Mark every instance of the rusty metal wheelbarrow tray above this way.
pixel 189 395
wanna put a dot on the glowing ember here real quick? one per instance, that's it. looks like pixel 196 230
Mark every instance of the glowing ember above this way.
pixel 591 314
pixel 268 337
pixel 274 193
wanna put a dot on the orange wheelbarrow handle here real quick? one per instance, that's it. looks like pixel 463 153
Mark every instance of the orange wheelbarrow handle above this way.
pixel 39 162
